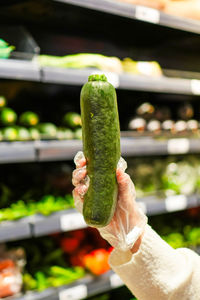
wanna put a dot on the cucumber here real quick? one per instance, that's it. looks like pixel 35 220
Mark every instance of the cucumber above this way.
pixel 101 146
pixel 72 119
pixel 8 116
pixel 29 118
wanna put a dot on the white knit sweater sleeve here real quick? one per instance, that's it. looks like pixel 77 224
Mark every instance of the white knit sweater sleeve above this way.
pixel 157 271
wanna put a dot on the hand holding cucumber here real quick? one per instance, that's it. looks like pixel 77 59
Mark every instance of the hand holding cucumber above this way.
pixel 109 194
pixel 128 222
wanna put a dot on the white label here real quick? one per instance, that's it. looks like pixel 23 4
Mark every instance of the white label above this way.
pixel 177 202
pixel 112 77
pixel 72 221
pixel 143 206
pixel 115 281
pixel 147 14
pixel 178 146
pixel 195 86
pixel 74 293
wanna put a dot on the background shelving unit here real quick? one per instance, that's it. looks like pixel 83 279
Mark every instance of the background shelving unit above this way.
pixel 57 23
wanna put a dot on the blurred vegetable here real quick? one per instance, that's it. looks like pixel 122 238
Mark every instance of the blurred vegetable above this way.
pixel 10 133
pixel 8 116
pixel 82 60
pixel 29 118
pixel 72 119
pixel 97 261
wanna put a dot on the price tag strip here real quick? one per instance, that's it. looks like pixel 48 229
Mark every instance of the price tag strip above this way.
pixel 175 203
pixel 74 293
pixel 72 221
pixel 178 146
pixel 195 86
pixel 150 15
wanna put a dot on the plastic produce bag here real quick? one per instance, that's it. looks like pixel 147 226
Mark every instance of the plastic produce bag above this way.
pixel 11 264
pixel 128 221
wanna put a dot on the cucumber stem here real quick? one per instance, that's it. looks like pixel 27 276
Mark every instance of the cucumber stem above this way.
pixel 97 77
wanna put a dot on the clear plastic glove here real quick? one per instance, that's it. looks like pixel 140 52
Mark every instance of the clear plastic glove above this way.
pixel 128 222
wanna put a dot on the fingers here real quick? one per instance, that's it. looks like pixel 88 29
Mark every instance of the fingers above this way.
pixel 80 191
pixel 78 175
pixel 122 164
pixel 79 159
pixel 125 184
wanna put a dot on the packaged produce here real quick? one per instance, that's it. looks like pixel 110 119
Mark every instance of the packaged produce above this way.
pixel 11 265
pixel 82 60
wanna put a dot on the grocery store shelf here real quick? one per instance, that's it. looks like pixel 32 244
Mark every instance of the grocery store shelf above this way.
pixel 19 69
pixel 137 13
pixel 54 150
pixel 152 206
pixel 17 152
pixel 26 70
pixel 64 220
pixel 14 230
pixel 86 287
pixel 57 150
pixel 67 220
pixel 160 84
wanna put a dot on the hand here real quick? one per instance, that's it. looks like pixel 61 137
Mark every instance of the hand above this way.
pixel 128 222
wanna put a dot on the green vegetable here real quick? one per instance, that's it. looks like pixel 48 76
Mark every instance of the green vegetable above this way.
pixel 82 60
pixel 78 133
pixel 48 129
pixel 72 119
pixel 101 145
pixel 8 116
pixel 34 133
pixel 10 133
pixel 23 134
pixel 2 101
pixel 29 118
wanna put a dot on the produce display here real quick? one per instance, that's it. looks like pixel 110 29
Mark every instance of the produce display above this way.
pixel 22 196
pixel 101 146
pixel 165 177
pixel 45 206
pixel 5 49
pixel 160 120
pixel 27 126
pixel 102 62
pixel 63 258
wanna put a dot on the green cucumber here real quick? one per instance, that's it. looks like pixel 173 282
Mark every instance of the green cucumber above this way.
pixel 101 146
pixel 29 118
